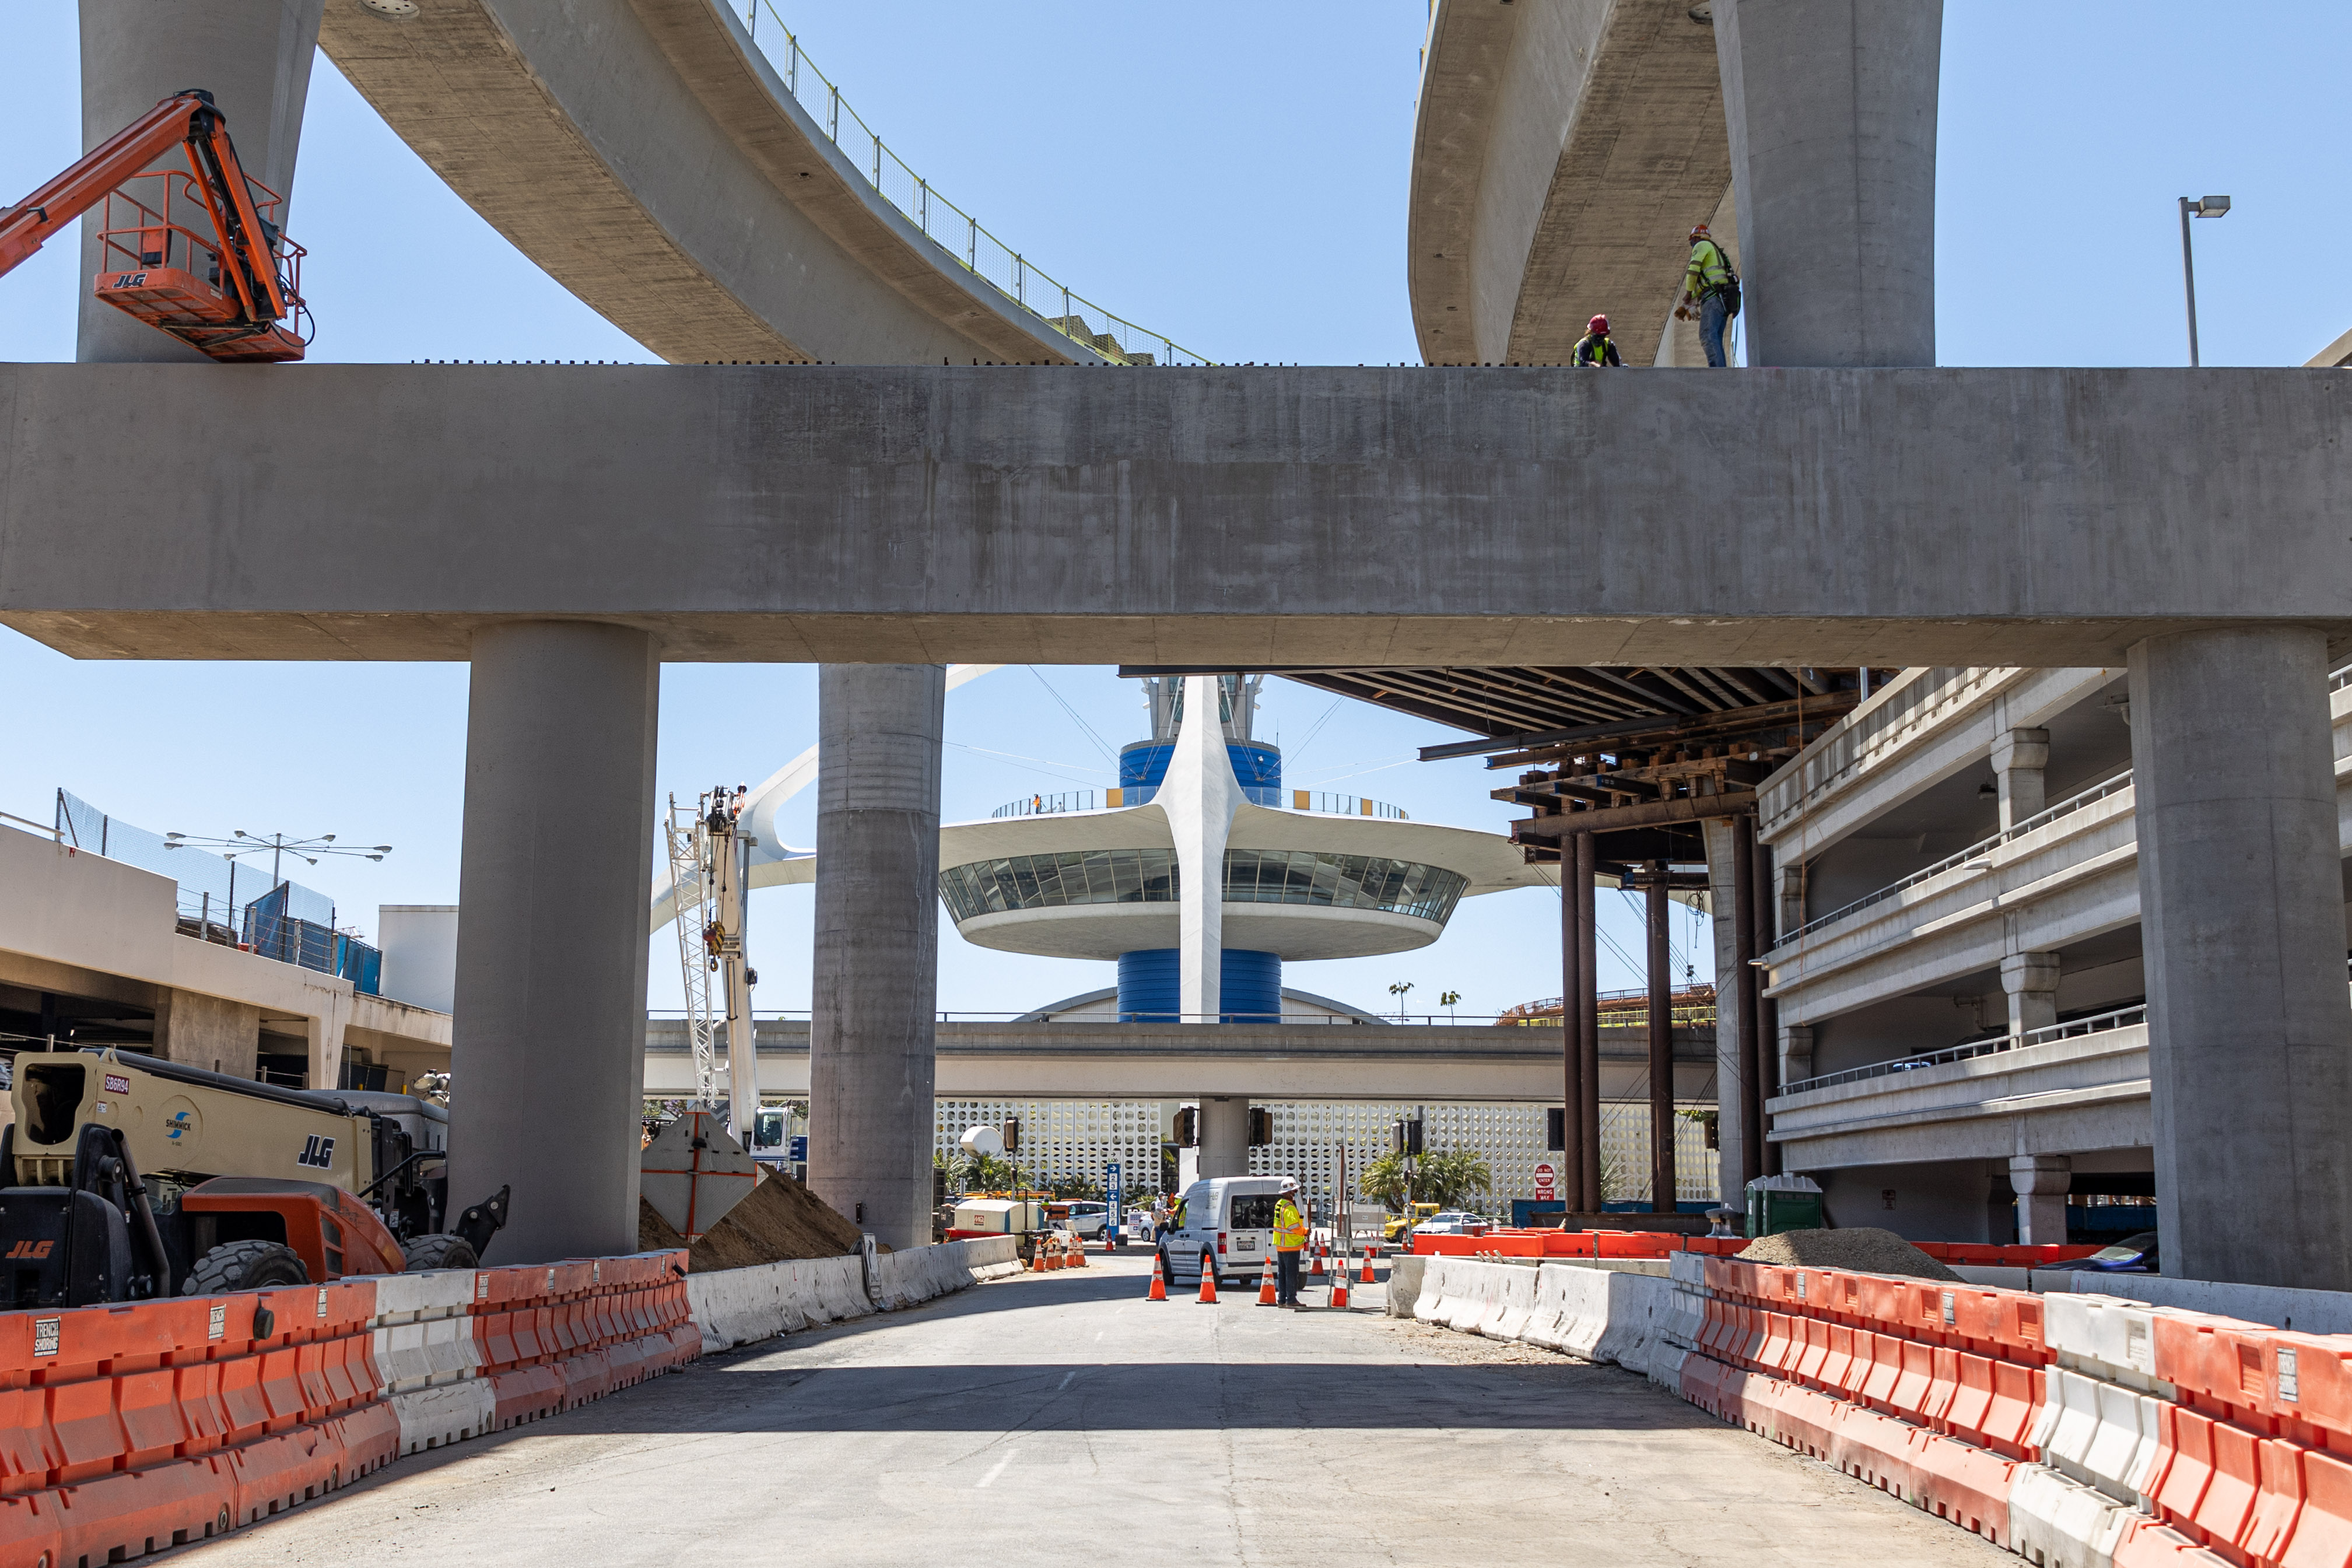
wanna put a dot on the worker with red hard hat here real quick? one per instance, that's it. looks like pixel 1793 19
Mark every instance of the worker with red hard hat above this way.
pixel 1596 349
pixel 1710 293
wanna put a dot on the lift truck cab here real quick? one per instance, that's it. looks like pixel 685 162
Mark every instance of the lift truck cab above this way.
pixel 130 1177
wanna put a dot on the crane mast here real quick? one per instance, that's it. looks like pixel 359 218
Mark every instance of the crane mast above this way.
pixel 710 867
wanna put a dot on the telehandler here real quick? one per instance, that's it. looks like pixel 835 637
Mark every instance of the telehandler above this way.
pixel 131 1177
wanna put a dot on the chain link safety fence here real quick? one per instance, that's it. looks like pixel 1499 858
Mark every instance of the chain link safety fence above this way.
pixel 223 902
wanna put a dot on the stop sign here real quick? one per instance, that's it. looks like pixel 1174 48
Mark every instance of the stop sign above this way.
pixel 1547 1180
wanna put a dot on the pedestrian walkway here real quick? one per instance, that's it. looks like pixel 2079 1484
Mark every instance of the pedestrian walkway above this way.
pixel 1061 1418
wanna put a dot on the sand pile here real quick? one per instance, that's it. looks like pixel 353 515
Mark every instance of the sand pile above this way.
pixel 1865 1249
pixel 781 1219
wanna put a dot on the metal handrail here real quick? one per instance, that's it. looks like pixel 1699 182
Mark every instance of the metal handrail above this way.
pixel 2122 1018
pixel 1022 280
pixel 48 829
pixel 2040 819
pixel 1046 805
pixel 1329 804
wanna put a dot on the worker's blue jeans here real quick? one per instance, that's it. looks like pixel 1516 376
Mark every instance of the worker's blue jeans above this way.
pixel 1711 322
pixel 1285 1277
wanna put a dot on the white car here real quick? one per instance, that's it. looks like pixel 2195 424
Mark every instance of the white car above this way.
pixel 1453 1222
pixel 1085 1219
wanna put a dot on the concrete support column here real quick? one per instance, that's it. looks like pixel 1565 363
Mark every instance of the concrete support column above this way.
pixel 547 1052
pixel 2031 979
pixel 2241 924
pixel 873 1032
pixel 1224 1132
pixel 2019 757
pixel 210 1033
pixel 1764 1027
pixel 1789 886
pixel 253 56
pixel 1830 105
pixel 1727 885
pixel 2040 1182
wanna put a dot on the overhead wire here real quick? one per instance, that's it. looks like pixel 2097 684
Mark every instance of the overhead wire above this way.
pixel 1076 717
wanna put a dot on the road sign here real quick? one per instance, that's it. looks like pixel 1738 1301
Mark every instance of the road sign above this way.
pixel 798 1153
pixel 1117 1202
pixel 1547 1182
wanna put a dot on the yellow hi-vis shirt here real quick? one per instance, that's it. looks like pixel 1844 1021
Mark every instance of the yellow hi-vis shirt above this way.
pixel 1289 1227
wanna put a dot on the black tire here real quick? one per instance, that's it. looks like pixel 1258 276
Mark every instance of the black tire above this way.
pixel 245 1266
pixel 445 1250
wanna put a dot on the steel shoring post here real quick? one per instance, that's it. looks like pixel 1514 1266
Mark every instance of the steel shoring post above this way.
pixel 1768 1011
pixel 1743 947
pixel 1571 1040
pixel 1662 1043
pixel 1588 1029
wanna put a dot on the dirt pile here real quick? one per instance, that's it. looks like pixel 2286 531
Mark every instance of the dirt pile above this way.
pixel 1865 1250
pixel 781 1219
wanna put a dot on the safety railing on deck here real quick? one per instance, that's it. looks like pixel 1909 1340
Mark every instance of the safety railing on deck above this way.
pixel 957 232
pixel 2067 806
pixel 1047 805
pixel 1344 805
pixel 2122 1018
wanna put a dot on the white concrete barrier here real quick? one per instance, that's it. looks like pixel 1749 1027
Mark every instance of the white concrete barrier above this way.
pixel 451 1412
pixel 2305 1312
pixel 421 1336
pixel 1514 1304
pixel 743 1306
pixel 992 1257
pixel 2058 1523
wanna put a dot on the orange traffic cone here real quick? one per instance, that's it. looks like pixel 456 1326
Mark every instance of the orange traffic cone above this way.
pixel 1049 1256
pixel 1158 1291
pixel 1340 1288
pixel 1366 1277
pixel 1208 1278
pixel 1077 1254
pixel 1315 1263
pixel 1265 1285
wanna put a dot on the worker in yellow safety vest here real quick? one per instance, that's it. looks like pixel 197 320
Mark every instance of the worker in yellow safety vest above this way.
pixel 1289 1240
pixel 1596 349
pixel 1710 293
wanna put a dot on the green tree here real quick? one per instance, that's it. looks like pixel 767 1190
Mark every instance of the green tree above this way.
pixel 1074 1187
pixel 1450 1178
pixel 983 1172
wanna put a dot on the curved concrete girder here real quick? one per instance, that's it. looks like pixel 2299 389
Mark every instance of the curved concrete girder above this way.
pixel 641 153
pixel 1561 153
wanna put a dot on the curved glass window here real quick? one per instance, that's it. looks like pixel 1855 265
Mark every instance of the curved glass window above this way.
pixel 1045 882
pixel 1151 876
pixel 1342 882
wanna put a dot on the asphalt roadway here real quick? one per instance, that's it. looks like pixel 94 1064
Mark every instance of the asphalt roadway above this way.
pixel 1053 1419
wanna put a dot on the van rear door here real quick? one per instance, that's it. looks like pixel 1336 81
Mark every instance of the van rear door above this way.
pixel 1250 1225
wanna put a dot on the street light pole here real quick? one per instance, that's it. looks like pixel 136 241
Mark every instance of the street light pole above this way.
pixel 2200 207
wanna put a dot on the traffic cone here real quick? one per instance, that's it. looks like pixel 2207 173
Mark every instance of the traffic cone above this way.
pixel 1158 1291
pixel 1366 1277
pixel 1315 1263
pixel 1208 1278
pixel 1077 1254
pixel 1049 1256
pixel 1339 1288
pixel 1265 1285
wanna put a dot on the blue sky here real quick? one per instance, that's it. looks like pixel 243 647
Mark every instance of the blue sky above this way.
pixel 1233 175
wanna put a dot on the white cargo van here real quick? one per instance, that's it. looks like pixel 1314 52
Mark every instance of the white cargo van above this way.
pixel 1229 1219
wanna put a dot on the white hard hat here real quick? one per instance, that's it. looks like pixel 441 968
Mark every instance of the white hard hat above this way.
pixel 1288 1184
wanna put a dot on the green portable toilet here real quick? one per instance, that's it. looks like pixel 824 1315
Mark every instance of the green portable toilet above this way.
pixel 1778 1203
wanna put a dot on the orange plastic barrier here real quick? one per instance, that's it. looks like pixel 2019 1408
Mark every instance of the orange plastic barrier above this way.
pixel 1966 1485
pixel 2323 1528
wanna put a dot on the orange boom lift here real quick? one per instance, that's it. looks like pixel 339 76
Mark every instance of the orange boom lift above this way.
pixel 194 252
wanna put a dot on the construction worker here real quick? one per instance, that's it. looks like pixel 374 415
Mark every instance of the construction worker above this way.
pixel 1289 1240
pixel 1710 292
pixel 1596 348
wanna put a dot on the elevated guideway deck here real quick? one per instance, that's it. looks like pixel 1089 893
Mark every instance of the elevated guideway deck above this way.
pixel 648 156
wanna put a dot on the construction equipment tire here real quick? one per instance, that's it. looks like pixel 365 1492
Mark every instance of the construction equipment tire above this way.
pixel 245 1266
pixel 445 1250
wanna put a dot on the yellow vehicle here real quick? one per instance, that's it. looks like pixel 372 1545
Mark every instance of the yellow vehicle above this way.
pixel 1398 1224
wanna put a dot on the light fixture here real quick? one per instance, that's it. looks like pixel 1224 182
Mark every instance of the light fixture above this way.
pixel 1974 868
pixel 2202 208
pixel 2209 207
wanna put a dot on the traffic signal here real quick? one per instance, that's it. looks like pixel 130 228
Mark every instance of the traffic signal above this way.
pixel 1555 1128
pixel 1013 1134
pixel 1188 1128
pixel 1261 1126
pixel 1404 1136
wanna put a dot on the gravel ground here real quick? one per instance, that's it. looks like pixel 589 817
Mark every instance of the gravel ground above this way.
pixel 1864 1249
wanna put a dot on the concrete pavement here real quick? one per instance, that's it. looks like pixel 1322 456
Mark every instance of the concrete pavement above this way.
pixel 1063 1419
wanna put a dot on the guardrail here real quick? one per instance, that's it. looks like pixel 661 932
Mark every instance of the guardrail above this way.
pixel 1047 805
pixel 2122 1018
pixel 1683 1018
pixel 2072 804
pixel 1008 271
pixel 1344 805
